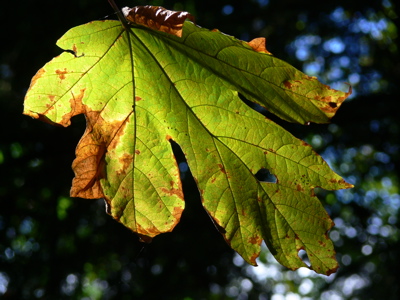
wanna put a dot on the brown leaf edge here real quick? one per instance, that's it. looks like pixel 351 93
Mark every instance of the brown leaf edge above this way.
pixel 259 44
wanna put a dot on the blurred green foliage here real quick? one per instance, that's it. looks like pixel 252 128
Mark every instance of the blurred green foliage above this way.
pixel 55 247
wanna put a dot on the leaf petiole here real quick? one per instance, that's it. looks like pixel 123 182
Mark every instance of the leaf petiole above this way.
pixel 121 17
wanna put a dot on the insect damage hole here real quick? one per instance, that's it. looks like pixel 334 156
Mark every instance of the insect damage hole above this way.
pixel 265 175
pixel 304 257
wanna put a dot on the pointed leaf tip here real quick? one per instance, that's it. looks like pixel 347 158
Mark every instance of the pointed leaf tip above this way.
pixel 259 45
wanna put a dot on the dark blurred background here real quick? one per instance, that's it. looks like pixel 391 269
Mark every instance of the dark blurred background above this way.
pixel 56 247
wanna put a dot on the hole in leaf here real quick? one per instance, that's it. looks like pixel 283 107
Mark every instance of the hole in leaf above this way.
pixel 304 257
pixel 265 175
pixel 332 104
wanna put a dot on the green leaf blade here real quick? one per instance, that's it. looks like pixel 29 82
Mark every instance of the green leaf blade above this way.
pixel 141 89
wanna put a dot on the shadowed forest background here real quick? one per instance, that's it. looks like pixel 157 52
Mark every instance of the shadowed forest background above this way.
pixel 56 247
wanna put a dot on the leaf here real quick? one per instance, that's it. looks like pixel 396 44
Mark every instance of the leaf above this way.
pixel 139 88
pixel 158 18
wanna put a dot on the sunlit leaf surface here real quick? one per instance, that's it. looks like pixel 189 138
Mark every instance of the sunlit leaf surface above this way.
pixel 141 88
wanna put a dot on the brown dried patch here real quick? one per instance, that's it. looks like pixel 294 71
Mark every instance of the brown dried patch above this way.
pixel 148 232
pixel 89 165
pixel 173 191
pixel 287 84
pixel 328 109
pixel 341 182
pixel 298 248
pixel 333 270
pixel 177 212
pixel 153 231
pixel 137 151
pixel 61 74
pixel 77 107
pixel 137 98
pixel 100 171
pixel 291 84
pixel 114 131
pixel 330 104
pixel 158 18
pixel 221 167
pixel 255 240
pixel 323 99
pixel 89 168
pixel 299 188
pixel 51 98
pixel 259 45
pixel 253 258
pixel 333 180
pixel 311 78
pixel 126 160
